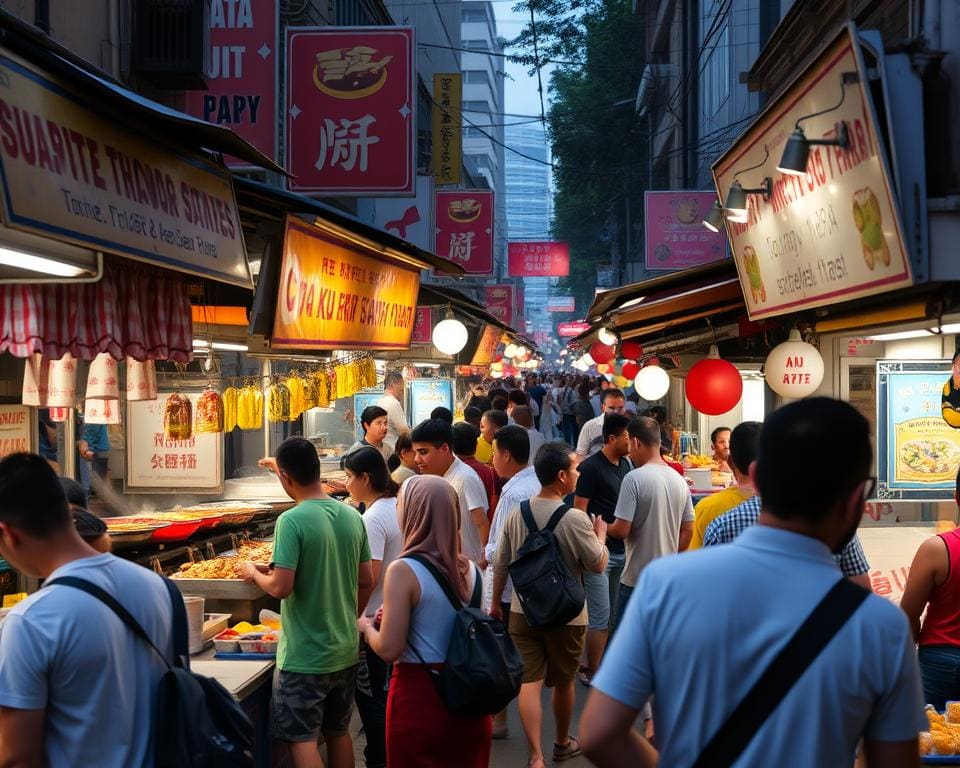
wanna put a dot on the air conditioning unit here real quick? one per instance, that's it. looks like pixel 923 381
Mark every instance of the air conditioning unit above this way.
pixel 171 42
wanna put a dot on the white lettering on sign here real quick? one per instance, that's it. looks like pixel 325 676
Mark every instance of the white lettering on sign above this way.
pixel 345 144
pixel 231 14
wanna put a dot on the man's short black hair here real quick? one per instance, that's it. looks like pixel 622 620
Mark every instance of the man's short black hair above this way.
pixel 442 413
pixel 436 432
pixel 552 459
pixel 516 441
pixel 370 413
pixel 517 397
pixel 471 412
pixel 297 457
pixel 656 412
pixel 609 394
pixel 717 431
pixel 614 424
pixel 523 416
pixel 76 496
pixel 465 438
pixel 499 404
pixel 799 474
pixel 646 430
pixel 743 445
pixel 497 417
pixel 31 498
pixel 497 392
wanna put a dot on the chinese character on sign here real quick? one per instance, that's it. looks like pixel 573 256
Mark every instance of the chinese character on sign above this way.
pixel 461 246
pixel 345 144
pixel 156 461
pixel 169 461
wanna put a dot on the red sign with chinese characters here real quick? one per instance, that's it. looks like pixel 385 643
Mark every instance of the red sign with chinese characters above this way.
pixel 538 259
pixel 242 81
pixel 422 326
pixel 464 220
pixel 569 330
pixel 499 302
pixel 351 111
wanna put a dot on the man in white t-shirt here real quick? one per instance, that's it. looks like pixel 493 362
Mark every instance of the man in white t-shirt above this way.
pixel 591 435
pixel 77 687
pixel 433 447
pixel 391 402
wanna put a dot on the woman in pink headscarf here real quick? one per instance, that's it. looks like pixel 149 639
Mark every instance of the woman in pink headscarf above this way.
pixel 415 631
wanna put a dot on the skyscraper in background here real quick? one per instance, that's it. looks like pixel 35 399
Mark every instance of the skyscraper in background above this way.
pixel 530 211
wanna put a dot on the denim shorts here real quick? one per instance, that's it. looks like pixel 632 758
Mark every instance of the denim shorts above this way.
pixel 596 586
pixel 305 705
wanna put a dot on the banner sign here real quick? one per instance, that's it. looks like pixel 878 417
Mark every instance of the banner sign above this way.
pixel 410 220
pixel 464 229
pixel 830 235
pixel 675 237
pixel 157 464
pixel 16 429
pixel 242 80
pixel 561 304
pixel 351 110
pixel 569 330
pixel 332 295
pixel 427 394
pixel 498 300
pixel 487 345
pixel 71 173
pixel 447 128
pixel 917 451
pixel 538 259
pixel 423 326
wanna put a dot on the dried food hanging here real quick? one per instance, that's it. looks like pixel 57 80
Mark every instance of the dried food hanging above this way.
pixel 250 408
pixel 296 386
pixel 231 397
pixel 178 417
pixel 278 403
pixel 209 413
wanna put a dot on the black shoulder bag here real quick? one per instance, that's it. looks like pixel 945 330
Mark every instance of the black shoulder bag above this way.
pixel 816 632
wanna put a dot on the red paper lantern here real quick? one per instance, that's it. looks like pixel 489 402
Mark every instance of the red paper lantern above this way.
pixel 602 353
pixel 630 350
pixel 714 386
pixel 630 370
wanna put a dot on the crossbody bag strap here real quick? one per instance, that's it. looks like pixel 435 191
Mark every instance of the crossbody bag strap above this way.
pixel 554 520
pixel 819 628
pixel 181 640
pixel 527 513
pixel 107 599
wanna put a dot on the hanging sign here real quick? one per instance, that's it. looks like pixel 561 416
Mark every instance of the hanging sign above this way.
pixel 498 300
pixel 242 79
pixel 410 220
pixel 538 259
pixel 674 235
pixel 486 350
pixel 464 227
pixel 333 295
pixel 351 111
pixel 447 128
pixel 71 173
pixel 569 330
pixel 15 429
pixel 561 304
pixel 422 326
pixel 157 464
pixel 830 235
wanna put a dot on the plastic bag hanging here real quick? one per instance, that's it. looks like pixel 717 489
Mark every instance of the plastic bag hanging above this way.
pixel 178 417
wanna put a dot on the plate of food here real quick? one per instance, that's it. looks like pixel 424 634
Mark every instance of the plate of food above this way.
pixel 941 744
pixel 931 456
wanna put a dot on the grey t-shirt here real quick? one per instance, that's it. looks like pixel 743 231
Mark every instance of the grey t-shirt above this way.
pixel 655 500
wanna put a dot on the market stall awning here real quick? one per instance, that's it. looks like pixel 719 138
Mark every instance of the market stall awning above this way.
pixel 441 296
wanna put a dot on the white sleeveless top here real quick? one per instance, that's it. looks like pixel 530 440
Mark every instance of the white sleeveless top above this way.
pixel 431 622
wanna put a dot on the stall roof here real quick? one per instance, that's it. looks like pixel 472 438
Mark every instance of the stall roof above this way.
pixel 123 104
pixel 441 296
pixel 254 194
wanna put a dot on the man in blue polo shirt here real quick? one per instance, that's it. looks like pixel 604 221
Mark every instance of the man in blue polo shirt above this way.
pixel 704 626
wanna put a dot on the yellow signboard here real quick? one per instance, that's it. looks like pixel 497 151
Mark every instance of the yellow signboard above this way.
pixel 71 173
pixel 487 345
pixel 332 295
pixel 447 128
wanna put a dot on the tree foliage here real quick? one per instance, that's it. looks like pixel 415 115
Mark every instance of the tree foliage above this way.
pixel 599 148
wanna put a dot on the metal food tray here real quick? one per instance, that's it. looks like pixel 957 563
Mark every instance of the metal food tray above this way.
pixel 219 589
pixel 940 759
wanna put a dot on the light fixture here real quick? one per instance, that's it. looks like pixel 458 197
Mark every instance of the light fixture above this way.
pixel 449 335
pixel 652 382
pixel 224 347
pixel 608 336
pixel 200 344
pixel 736 203
pixel 522 352
pixel 714 218
pixel 919 333
pixel 796 151
pixel 11 257
pixel 510 350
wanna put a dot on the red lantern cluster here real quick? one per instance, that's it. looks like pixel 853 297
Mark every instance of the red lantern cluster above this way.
pixel 602 353
pixel 714 386
pixel 630 350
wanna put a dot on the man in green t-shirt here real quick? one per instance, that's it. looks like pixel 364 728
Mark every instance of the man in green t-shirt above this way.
pixel 321 572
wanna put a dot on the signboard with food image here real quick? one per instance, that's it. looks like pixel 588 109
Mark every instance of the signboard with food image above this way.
pixel 464 229
pixel 675 237
pixel 834 232
pixel 918 453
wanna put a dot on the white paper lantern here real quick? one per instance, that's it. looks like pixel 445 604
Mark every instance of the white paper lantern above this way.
pixel 98 411
pixel 608 337
pixel 510 350
pixel 652 382
pixel 36 372
pixel 103 381
pixel 450 336
pixel 794 369
pixel 141 380
pixel 62 382
pixel 586 360
pixel 496 374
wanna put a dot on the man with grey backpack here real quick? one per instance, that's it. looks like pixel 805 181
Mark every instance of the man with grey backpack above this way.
pixel 546 546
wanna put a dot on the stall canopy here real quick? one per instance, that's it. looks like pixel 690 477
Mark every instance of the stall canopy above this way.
pixel 441 296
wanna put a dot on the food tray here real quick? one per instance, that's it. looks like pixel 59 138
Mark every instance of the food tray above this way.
pixel 940 759
pixel 219 589
pixel 176 531
pixel 256 645
pixel 214 624
pixel 245 656
pixel 126 538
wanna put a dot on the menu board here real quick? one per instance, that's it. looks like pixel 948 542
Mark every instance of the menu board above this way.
pixel 156 464
pixel 918 453
pixel 427 394
pixel 15 429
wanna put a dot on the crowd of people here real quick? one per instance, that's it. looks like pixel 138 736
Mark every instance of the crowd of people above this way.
pixel 770 649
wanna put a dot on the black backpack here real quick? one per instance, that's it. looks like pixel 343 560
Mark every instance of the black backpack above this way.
pixel 549 593
pixel 483 669
pixel 198 722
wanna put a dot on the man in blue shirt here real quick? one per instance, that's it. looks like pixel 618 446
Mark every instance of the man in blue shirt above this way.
pixel 703 627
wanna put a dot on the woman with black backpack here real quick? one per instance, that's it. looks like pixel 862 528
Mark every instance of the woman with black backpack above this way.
pixel 415 630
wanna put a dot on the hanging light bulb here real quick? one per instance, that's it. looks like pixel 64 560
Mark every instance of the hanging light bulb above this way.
pixel 608 336
pixel 510 350
pixel 450 335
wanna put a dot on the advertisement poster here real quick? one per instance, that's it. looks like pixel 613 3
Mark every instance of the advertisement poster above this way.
pixel 834 233
pixel 486 350
pixel 156 464
pixel 561 304
pixel 426 394
pixel 242 80
pixel 538 259
pixel 351 111
pixel 15 429
pixel 675 237
pixel 409 219
pixel 569 330
pixel 423 326
pixel 333 296
pixel 918 453
pixel 100 185
pixel 362 400
pixel 447 128
pixel 499 302
pixel 464 229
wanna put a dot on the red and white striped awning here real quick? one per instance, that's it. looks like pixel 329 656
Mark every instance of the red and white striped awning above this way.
pixel 133 311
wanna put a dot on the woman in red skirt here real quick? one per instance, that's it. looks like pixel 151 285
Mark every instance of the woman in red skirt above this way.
pixel 421 731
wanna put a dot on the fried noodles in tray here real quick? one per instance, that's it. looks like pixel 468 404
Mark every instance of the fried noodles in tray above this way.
pixel 228 566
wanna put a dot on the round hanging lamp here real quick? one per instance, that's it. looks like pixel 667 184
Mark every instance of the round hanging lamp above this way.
pixel 714 386
pixel 794 369
pixel 652 382
pixel 449 335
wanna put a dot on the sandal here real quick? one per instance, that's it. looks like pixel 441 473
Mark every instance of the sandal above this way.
pixel 563 752
pixel 585 676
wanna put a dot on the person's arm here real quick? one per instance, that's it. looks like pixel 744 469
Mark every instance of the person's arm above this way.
pixel 365 583
pixel 929 568
pixel 501 563
pixel 276 581
pixel 583 442
pixel 607 735
pixel 499 584
pixel 401 593
pixel 479 517
pixel 891 754
pixel 475 496
pixel 626 509
pixel 686 533
pixel 619 529
pixel 21 737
